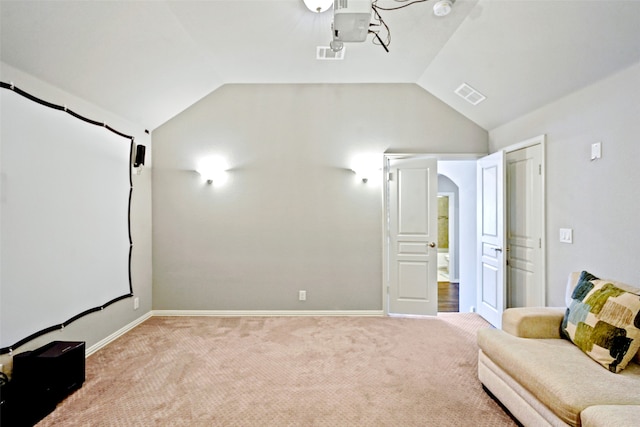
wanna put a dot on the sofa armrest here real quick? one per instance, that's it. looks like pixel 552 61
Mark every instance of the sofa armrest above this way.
pixel 533 322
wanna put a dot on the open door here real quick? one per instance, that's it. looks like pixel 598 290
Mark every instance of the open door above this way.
pixel 525 225
pixel 412 190
pixel 491 289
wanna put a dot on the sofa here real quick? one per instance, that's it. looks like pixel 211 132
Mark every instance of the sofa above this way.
pixel 544 371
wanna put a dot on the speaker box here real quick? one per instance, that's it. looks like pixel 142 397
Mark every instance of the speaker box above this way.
pixel 139 159
pixel 44 377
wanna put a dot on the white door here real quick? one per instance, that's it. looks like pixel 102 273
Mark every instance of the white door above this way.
pixel 412 237
pixel 491 238
pixel 525 212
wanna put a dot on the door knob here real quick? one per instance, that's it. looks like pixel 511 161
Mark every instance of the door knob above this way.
pixel 432 244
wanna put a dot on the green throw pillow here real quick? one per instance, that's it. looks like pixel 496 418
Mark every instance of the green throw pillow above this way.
pixel 603 320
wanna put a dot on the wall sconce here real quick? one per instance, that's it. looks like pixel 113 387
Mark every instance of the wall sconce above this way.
pixel 367 166
pixel 213 170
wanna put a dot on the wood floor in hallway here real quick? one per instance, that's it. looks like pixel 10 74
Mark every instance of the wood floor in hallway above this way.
pixel 448 297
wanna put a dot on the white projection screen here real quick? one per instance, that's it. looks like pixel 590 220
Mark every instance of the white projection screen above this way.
pixel 65 242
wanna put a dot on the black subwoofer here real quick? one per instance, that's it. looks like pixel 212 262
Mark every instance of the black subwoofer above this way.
pixel 44 377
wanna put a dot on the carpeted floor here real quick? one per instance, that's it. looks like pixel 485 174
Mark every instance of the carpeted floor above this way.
pixel 286 371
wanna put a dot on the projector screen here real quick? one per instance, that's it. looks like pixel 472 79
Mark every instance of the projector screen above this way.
pixel 65 242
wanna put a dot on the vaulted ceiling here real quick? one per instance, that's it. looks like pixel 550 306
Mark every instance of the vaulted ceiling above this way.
pixel 149 60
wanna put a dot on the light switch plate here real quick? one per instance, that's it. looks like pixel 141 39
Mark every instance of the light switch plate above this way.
pixel 566 235
pixel 596 150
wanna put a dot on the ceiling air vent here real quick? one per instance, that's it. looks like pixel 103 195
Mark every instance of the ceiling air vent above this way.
pixel 471 95
pixel 325 53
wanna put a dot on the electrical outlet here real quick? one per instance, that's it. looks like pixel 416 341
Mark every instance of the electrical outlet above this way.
pixel 136 303
pixel 302 295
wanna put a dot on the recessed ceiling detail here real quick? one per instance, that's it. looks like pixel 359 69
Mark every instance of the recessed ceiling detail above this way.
pixel 469 94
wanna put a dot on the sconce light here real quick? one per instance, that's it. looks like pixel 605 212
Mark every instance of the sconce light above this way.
pixel 366 166
pixel 318 6
pixel 213 170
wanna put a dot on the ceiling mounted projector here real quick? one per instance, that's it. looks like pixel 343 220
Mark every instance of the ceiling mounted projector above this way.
pixel 351 21
pixel 442 8
pixel 354 20
pixel 318 6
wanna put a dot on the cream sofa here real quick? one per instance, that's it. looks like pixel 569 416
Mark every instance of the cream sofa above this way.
pixel 545 380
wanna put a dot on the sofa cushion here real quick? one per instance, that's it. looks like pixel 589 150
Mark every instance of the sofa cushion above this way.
pixel 603 320
pixel 533 322
pixel 559 374
pixel 611 415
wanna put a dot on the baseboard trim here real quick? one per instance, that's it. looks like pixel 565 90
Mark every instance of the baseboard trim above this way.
pixel 269 313
pixel 104 342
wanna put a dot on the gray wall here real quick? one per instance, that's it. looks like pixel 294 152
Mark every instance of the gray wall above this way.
pixel 600 200
pixel 97 326
pixel 292 215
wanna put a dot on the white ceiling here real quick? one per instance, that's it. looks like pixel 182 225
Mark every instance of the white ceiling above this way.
pixel 149 60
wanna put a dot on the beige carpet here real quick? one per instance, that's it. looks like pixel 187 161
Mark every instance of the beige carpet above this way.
pixel 286 371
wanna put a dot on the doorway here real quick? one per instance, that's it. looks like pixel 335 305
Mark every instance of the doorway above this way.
pixel 448 286
pixel 460 172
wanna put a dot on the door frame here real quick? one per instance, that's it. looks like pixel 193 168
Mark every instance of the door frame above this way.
pixel 540 140
pixel 387 157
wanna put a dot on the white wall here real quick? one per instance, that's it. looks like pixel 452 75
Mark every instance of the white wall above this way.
pixel 97 326
pixel 292 215
pixel 599 199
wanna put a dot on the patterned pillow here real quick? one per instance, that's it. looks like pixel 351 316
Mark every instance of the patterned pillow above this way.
pixel 603 320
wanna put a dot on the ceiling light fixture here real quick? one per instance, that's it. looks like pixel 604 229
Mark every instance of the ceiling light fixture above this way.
pixel 318 6
pixel 442 8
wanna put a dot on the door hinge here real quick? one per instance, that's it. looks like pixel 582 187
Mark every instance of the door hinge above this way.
pixel 540 169
pixel 540 242
pixel 387 290
pixel 389 176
